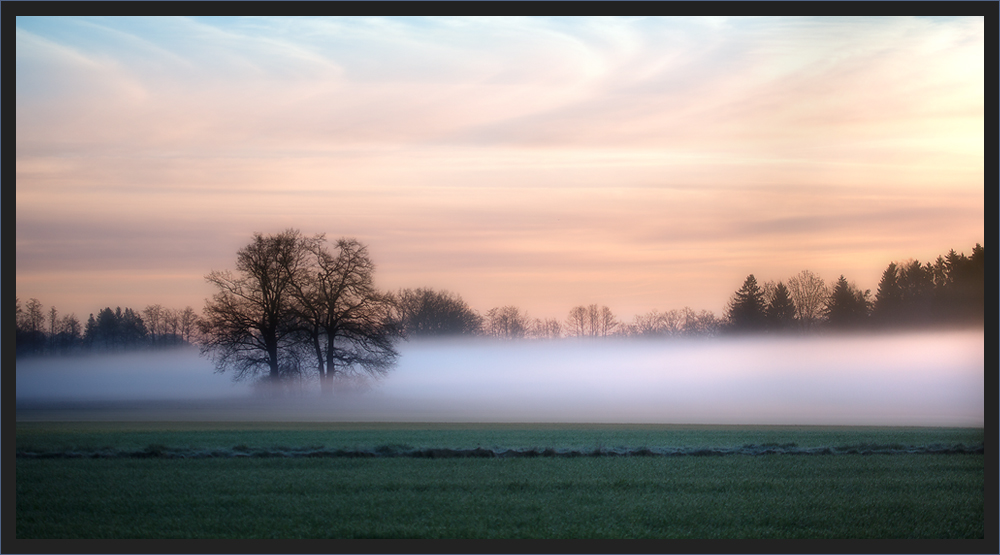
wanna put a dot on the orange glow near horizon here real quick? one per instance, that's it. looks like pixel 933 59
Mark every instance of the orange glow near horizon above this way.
pixel 545 163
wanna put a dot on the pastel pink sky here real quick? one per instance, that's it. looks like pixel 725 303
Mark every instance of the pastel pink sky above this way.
pixel 639 163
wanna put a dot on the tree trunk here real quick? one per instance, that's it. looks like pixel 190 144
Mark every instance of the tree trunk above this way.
pixel 272 361
pixel 326 383
pixel 320 366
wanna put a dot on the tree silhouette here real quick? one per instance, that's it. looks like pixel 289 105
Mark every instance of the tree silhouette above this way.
pixel 41 332
pixel 155 316
pixel 349 323
pixel 963 293
pixel 809 294
pixel 576 321
pixel 507 322
pixel 30 335
pixel 702 322
pixel 949 290
pixel 548 328
pixel 888 297
pixel 294 305
pixel 116 330
pixel 650 324
pixel 187 321
pixel 591 321
pixel 746 311
pixel 425 312
pixel 847 306
pixel 132 328
pixel 916 282
pixel 780 309
pixel 250 320
pixel 67 335
pixel 606 322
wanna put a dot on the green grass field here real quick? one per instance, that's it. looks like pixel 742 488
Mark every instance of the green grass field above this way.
pixel 734 496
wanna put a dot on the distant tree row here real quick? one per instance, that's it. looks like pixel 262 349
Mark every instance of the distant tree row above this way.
pixel 510 322
pixel 952 289
pixel 910 294
pixel 318 317
pixel 41 332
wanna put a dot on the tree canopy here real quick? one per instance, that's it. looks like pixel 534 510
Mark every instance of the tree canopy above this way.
pixel 847 306
pixel 294 305
pixel 425 312
pixel 780 311
pixel 746 310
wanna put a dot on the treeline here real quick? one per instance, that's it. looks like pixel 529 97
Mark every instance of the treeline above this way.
pixel 947 291
pixel 429 313
pixel 45 332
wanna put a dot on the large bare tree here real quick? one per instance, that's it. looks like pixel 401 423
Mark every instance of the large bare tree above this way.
pixel 293 302
pixel 250 319
pixel 349 323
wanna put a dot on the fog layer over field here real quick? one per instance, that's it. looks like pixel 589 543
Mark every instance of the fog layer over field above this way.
pixel 933 379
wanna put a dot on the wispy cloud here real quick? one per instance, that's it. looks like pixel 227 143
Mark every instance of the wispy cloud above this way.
pixel 464 149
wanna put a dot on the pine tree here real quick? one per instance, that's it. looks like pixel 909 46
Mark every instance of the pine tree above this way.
pixel 889 297
pixel 848 306
pixel 747 308
pixel 917 284
pixel 781 310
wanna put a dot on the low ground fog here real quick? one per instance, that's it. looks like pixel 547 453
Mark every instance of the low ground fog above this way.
pixel 921 379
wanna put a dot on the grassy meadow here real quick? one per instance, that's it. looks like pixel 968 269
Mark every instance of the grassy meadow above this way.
pixel 255 480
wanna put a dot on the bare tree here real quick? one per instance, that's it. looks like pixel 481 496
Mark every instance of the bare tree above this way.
pixel 703 323
pixel 250 319
pixel 33 317
pixel 348 322
pixel 68 334
pixel 576 322
pixel 673 321
pixel 507 322
pixel 30 335
pixel 809 294
pixel 591 321
pixel 53 320
pixel 606 322
pixel 649 324
pixel 153 317
pixel 548 328
pixel 171 324
pixel 71 325
pixel 187 322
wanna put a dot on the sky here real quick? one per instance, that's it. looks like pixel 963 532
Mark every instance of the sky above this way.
pixel 638 163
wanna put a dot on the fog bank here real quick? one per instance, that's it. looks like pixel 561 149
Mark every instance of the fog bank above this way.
pixel 926 379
